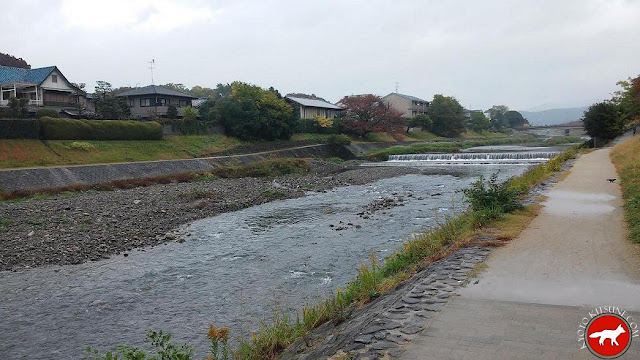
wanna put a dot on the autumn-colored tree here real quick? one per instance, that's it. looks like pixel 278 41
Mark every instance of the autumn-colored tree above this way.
pixel 10 60
pixel 369 113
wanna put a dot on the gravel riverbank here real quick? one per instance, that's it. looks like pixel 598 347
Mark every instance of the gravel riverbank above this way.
pixel 93 225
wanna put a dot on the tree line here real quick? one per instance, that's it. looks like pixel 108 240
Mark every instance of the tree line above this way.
pixel 607 119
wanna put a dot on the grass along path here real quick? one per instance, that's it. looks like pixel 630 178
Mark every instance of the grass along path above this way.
pixel 626 159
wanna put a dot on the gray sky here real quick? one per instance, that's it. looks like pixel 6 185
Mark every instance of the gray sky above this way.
pixel 524 54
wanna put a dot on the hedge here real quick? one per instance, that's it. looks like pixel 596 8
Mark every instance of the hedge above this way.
pixel 19 129
pixel 70 129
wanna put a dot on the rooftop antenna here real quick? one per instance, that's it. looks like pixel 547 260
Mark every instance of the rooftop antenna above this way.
pixel 151 64
pixel 397 83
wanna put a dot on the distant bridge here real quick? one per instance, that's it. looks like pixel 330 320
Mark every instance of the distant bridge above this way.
pixel 556 130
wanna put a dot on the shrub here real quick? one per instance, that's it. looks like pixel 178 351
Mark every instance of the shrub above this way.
pixel 339 139
pixel 47 112
pixel 81 145
pixel 69 129
pixel 189 127
pixel 19 129
pixel 492 196
pixel 190 113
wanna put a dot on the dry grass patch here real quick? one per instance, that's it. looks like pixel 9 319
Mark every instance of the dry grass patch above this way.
pixel 626 158
pixel 514 223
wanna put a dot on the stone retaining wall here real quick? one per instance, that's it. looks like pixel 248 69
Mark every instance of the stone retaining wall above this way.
pixel 46 177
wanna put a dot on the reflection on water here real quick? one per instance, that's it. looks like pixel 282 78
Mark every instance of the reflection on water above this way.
pixel 233 270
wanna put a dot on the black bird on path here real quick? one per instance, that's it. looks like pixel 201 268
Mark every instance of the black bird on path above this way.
pixel 611 180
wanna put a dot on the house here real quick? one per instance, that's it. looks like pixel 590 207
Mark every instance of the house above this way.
pixel 45 86
pixel 310 107
pixel 153 101
pixel 408 105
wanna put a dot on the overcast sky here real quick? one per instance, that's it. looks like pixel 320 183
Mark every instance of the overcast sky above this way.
pixel 524 54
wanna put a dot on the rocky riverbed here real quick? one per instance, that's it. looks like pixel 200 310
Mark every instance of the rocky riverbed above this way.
pixel 93 225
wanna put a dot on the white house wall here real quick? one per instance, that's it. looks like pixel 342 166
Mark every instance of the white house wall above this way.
pixel 61 85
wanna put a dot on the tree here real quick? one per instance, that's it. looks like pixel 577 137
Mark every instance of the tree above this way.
pixel 628 99
pixel 497 116
pixel 79 93
pixel 515 119
pixel 108 105
pixel 190 113
pixel 479 122
pixel 603 120
pixel 369 113
pixel 10 60
pixel 423 121
pixel 447 115
pixel 252 113
pixel 497 109
pixel 172 112
pixel 177 87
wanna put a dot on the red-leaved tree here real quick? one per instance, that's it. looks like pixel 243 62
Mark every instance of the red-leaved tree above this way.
pixel 369 113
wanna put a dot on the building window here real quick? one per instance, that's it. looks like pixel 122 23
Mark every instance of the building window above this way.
pixel 54 78
pixel 162 102
pixel 132 102
pixel 145 102
pixel 182 103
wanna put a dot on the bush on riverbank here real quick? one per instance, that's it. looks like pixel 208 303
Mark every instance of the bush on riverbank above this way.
pixel 626 158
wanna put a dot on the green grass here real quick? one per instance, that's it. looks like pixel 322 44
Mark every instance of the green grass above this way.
pixel 444 146
pixel 559 140
pixel 422 135
pixel 626 158
pixel 4 224
pixel 274 194
pixel 15 153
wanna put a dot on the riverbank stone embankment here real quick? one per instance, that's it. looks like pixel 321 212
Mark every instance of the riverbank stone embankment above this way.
pixel 60 176
pixel 378 329
pixel 94 225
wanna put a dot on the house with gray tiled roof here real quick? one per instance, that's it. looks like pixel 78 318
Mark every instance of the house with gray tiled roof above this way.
pixel 408 105
pixel 153 101
pixel 311 107
pixel 45 86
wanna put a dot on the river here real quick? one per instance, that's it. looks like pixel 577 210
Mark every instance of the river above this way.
pixel 234 270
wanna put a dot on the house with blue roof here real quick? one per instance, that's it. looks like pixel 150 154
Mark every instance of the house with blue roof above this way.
pixel 408 105
pixel 45 86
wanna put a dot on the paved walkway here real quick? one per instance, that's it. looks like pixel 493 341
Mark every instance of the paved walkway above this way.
pixel 528 303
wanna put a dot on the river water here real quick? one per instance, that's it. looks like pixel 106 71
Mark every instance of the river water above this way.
pixel 234 270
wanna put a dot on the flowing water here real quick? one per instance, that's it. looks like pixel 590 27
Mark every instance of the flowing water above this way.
pixel 234 270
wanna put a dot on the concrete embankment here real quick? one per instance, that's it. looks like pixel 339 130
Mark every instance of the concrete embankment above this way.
pixel 37 178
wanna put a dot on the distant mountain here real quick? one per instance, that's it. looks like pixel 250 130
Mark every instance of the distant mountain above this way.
pixel 554 116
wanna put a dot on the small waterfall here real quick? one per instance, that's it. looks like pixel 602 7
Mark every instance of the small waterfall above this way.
pixel 479 158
